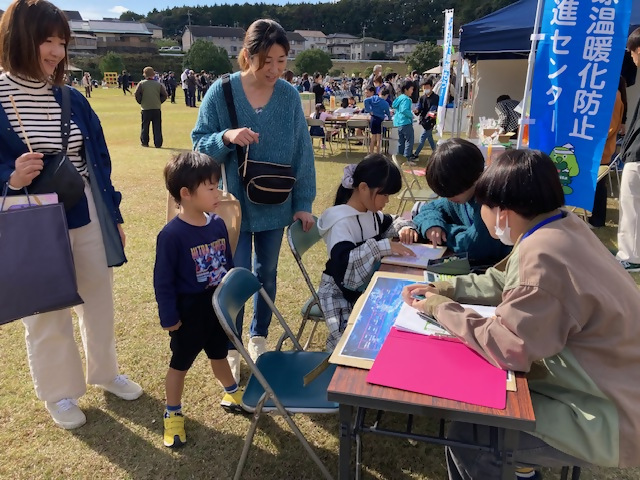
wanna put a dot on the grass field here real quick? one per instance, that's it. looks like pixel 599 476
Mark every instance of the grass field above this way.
pixel 123 440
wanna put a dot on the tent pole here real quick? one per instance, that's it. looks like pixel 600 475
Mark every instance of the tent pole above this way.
pixel 455 132
pixel 532 61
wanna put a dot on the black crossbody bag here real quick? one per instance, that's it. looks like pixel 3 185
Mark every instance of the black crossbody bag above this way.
pixel 59 175
pixel 265 183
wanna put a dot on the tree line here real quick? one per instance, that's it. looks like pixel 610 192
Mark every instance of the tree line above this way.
pixel 390 20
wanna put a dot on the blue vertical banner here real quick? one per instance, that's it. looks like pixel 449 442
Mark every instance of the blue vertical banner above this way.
pixel 576 75
pixel 446 69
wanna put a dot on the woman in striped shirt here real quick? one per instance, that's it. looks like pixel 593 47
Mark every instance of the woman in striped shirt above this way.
pixel 33 37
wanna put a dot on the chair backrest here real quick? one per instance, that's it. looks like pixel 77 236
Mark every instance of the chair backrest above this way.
pixel 315 122
pixel 408 185
pixel 388 124
pixel 235 289
pixel 299 243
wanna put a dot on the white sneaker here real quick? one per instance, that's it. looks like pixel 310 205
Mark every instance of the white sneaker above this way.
pixel 122 387
pixel 66 413
pixel 233 357
pixel 256 347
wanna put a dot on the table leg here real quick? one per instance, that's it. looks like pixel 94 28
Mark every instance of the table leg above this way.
pixel 509 446
pixel 344 467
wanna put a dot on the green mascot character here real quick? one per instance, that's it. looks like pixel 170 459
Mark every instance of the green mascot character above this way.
pixel 567 164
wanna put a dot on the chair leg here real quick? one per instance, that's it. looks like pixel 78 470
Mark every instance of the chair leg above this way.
pixel 249 440
pixel 575 475
pixel 313 330
pixel 301 329
pixel 304 441
pixel 564 473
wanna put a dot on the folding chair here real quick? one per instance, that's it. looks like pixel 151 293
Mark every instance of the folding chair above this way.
pixel 299 243
pixel 277 378
pixel 352 125
pixel 313 122
pixel 580 212
pixel 387 128
pixel 615 165
pixel 412 191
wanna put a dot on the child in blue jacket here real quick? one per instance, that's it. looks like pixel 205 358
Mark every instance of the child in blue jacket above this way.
pixel 378 107
pixel 454 220
pixel 403 119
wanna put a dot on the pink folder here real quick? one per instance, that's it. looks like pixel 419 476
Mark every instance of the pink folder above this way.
pixel 438 367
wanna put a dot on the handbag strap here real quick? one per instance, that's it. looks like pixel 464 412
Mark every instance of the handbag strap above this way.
pixel 231 108
pixel 65 118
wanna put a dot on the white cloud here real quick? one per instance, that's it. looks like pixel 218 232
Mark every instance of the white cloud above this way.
pixel 119 9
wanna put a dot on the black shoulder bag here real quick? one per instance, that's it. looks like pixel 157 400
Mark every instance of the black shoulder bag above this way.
pixel 265 183
pixel 59 175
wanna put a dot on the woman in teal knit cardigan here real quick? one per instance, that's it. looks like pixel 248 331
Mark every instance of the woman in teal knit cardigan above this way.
pixel 274 129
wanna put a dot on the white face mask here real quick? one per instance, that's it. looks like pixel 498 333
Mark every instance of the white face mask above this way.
pixel 427 91
pixel 504 235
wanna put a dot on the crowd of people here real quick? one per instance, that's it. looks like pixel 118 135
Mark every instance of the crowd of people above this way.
pixel 550 278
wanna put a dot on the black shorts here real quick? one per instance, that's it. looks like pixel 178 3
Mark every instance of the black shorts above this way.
pixel 200 330
pixel 376 125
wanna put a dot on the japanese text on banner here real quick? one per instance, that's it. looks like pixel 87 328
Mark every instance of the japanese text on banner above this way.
pixel 575 80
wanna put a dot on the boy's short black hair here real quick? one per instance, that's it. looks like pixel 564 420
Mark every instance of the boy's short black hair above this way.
pixel 384 91
pixel 371 88
pixel 502 98
pixel 525 181
pixel 189 170
pixel 406 85
pixel 454 167
pixel 633 42
pixel 428 81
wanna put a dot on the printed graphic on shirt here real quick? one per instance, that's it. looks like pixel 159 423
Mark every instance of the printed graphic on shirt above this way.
pixel 210 262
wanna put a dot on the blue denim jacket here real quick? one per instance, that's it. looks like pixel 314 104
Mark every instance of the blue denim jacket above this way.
pixel 106 198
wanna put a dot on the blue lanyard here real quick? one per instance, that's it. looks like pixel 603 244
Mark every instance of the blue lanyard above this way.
pixel 542 224
pixel 468 216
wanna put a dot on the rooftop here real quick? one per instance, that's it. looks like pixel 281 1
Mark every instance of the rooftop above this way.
pixel 215 31
pixel 341 35
pixel 109 26
pixel 72 15
pixel 310 33
pixel 295 37
pixel 406 41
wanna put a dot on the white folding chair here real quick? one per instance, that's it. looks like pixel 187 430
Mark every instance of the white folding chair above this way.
pixel 313 122
pixel 351 126
pixel 411 191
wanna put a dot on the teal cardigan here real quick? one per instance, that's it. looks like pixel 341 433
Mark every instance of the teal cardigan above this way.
pixel 466 232
pixel 284 139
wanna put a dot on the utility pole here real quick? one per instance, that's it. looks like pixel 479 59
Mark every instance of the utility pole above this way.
pixel 190 32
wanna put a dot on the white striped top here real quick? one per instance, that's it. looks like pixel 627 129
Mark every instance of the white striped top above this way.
pixel 40 115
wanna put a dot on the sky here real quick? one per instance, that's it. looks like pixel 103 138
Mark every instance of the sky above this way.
pixel 113 8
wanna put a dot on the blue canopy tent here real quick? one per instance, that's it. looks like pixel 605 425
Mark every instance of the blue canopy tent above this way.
pixel 499 44
pixel 506 33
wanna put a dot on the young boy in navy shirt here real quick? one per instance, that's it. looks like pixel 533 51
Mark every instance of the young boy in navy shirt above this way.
pixel 192 256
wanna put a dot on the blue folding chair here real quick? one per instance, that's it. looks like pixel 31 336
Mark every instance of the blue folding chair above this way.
pixel 277 378
pixel 299 243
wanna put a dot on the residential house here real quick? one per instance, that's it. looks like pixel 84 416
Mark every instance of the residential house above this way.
pixel 297 44
pixel 403 48
pixel 314 39
pixel 340 38
pixel 156 31
pixel 111 36
pixel 362 48
pixel 229 38
pixel 340 51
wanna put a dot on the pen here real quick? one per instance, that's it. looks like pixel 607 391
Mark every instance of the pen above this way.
pixel 429 320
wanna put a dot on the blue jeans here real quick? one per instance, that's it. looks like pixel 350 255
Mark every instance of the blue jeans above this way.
pixel 262 260
pixel 426 135
pixel 405 140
